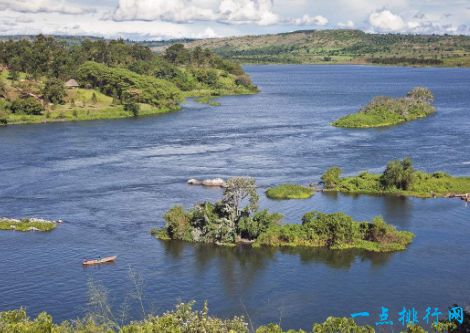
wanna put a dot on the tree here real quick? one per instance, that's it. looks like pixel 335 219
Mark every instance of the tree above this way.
pixel 236 190
pixel 331 177
pixel 177 54
pixel 54 91
pixel 398 174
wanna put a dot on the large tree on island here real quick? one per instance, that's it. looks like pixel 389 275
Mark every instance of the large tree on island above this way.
pixel 236 190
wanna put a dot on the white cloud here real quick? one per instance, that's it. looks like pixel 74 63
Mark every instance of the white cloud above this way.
pixel 348 24
pixel 247 11
pixel 311 20
pixel 42 6
pixel 161 10
pixel 386 21
pixel 418 23
pixel 181 11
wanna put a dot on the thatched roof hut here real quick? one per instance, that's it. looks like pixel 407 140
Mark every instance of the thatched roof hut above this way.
pixel 72 83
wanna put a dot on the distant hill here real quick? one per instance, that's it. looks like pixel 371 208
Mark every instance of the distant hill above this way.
pixel 339 47
pixel 324 47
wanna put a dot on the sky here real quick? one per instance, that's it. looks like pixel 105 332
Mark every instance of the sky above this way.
pixel 168 19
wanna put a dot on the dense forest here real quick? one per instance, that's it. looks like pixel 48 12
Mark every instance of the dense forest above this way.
pixel 340 46
pixel 106 79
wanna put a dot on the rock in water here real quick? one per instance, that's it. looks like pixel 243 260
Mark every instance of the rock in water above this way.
pixel 214 182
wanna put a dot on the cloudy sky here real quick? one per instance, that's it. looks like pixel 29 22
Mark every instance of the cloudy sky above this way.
pixel 164 19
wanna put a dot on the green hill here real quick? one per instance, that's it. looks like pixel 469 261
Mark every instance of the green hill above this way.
pixel 340 47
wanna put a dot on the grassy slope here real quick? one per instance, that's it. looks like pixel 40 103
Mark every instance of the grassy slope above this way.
pixel 289 191
pixel 341 47
pixel 424 186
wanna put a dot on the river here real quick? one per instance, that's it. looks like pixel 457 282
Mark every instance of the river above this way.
pixel 111 181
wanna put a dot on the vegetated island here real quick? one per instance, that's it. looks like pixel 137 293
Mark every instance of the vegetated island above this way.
pixel 48 80
pixel 386 111
pixel 289 191
pixel 29 224
pixel 399 178
pixel 185 319
pixel 226 222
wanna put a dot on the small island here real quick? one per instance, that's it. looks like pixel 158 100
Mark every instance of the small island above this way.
pixel 386 111
pixel 226 222
pixel 289 191
pixel 399 178
pixel 29 224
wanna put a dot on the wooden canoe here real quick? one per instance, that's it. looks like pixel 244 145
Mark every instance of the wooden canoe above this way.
pixel 99 261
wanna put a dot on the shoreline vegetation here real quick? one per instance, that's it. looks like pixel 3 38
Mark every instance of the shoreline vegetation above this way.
pixel 28 224
pixel 48 80
pixel 386 111
pixel 399 178
pixel 186 319
pixel 228 223
pixel 289 191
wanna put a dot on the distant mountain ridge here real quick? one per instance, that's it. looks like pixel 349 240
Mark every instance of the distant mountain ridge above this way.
pixel 339 46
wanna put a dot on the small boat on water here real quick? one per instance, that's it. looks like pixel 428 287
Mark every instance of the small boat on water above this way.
pixel 89 262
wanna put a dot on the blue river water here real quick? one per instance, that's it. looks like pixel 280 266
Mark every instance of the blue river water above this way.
pixel 111 181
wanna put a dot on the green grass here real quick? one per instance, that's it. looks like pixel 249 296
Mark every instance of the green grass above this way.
pixel 27 225
pixel 424 185
pixel 289 191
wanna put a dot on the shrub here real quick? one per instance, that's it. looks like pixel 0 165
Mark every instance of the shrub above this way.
pixel 29 106
pixel 132 107
pixel 331 177
pixel 178 223
pixel 243 80
pixel 398 174
pixel 340 325
pixel 252 227
pixel 3 117
pixel 334 229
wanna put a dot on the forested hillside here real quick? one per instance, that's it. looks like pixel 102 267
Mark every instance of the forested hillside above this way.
pixel 341 46
pixel 47 79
